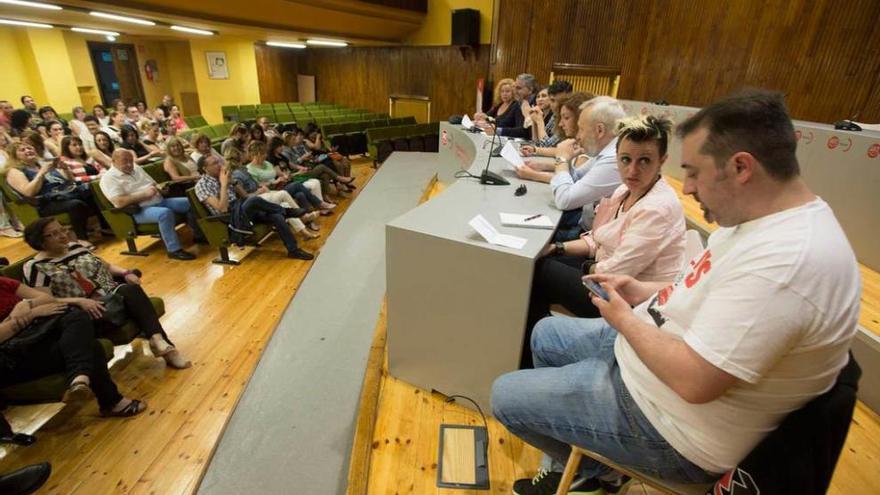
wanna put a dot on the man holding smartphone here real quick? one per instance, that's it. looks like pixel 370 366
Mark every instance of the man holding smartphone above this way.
pixel 687 383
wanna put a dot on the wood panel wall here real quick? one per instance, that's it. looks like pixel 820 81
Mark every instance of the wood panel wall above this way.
pixel 364 77
pixel 276 72
pixel 824 54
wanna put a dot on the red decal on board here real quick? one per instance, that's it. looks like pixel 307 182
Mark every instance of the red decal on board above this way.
pixel 833 141
pixel 874 150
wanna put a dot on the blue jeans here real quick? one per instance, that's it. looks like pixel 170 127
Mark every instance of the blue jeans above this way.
pixel 575 395
pixel 163 214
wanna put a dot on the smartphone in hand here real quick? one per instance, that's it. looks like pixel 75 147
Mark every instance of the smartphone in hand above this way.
pixel 596 289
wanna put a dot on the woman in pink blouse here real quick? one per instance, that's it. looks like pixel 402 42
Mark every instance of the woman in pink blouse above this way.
pixel 638 231
pixel 176 120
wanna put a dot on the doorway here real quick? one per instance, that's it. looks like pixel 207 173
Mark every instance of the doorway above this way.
pixel 117 71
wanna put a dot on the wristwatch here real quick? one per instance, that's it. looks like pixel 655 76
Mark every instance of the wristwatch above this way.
pixel 559 248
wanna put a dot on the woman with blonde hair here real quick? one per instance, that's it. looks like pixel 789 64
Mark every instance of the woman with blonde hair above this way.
pixel 638 231
pixel 178 165
pixel 505 111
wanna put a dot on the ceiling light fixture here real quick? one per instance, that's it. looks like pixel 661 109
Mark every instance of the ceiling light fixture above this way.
pixel 36 5
pixel 192 30
pixel 11 22
pixel 326 43
pixel 95 31
pixel 284 44
pixel 122 18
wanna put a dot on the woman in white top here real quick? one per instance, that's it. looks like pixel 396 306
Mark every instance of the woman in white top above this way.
pixel 638 231
pixel 178 165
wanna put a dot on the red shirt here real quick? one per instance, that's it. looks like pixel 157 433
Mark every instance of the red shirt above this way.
pixel 8 299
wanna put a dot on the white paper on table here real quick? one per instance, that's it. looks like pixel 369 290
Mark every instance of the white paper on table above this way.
pixel 492 236
pixel 509 153
pixel 519 220
pixel 466 122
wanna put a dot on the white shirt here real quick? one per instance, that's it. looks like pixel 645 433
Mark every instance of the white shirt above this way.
pixel 117 183
pixel 113 133
pixel 592 181
pixel 773 302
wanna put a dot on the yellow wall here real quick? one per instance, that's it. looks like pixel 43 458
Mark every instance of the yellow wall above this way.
pixel 83 70
pixel 437 28
pixel 180 68
pixel 48 53
pixel 15 81
pixel 242 87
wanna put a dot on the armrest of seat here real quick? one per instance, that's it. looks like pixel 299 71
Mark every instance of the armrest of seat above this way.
pixel 130 209
pixel 218 218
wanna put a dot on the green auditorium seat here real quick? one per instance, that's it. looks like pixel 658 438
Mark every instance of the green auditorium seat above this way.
pixel 198 121
pixel 230 112
pixel 23 208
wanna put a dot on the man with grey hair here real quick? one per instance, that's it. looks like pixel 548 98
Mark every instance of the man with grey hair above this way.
pixel 525 90
pixel 576 189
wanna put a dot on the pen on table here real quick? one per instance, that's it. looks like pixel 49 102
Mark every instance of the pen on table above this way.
pixel 532 217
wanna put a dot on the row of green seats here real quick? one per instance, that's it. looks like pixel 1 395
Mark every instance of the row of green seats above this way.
pixel 381 142
pixel 250 112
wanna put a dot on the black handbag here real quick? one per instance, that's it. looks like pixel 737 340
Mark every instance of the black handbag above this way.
pixel 28 337
pixel 114 308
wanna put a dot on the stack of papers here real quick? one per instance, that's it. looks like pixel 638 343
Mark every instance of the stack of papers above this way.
pixel 492 236
pixel 509 153
pixel 466 122
pixel 527 221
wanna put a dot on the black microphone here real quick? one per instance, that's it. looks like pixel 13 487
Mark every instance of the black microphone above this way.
pixel 488 177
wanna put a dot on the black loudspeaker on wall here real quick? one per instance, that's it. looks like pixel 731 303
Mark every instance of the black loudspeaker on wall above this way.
pixel 466 27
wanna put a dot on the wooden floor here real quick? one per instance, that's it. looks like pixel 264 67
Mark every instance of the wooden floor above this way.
pixel 401 455
pixel 221 317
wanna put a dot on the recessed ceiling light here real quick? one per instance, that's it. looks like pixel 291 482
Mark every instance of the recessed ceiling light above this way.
pixel 326 43
pixel 110 38
pixel 95 31
pixel 283 44
pixel 122 18
pixel 192 30
pixel 11 22
pixel 36 5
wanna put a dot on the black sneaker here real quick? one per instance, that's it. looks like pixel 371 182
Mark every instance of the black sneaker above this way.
pixel 620 485
pixel 301 255
pixel 180 254
pixel 547 482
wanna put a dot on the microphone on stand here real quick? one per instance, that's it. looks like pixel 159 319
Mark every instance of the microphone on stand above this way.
pixel 488 177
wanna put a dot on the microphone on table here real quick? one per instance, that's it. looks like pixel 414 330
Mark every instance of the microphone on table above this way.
pixel 488 177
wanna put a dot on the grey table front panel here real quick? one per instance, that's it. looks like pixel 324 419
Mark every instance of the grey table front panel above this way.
pixel 457 304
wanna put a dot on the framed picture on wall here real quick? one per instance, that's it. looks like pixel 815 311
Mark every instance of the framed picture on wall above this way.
pixel 217 66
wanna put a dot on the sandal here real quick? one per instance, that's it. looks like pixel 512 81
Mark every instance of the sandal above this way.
pixel 133 408
pixel 78 392
pixel 176 360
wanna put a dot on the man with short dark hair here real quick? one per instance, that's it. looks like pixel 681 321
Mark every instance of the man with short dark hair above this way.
pixel 30 105
pixel 557 90
pixel 685 385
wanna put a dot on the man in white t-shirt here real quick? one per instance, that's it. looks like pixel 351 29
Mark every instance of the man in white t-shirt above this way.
pixel 684 386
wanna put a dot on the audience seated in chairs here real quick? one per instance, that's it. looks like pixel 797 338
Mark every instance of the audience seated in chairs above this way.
pixel 638 231
pixel 308 166
pixel 151 136
pixel 83 167
pixel 50 186
pixel 300 183
pixel 19 123
pixel 40 336
pixel 315 143
pixel 56 134
pixel 216 191
pixel 104 148
pixel 100 113
pixel 175 120
pixel 131 141
pixel 282 197
pixel 35 139
pixel 114 128
pixel 685 385
pixel 75 276
pixel 257 133
pixel 48 114
pixel 128 185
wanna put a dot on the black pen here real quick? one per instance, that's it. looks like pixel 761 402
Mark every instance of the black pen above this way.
pixel 532 217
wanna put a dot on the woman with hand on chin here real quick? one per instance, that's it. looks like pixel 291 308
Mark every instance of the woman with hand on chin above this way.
pixel 567 128
pixel 638 231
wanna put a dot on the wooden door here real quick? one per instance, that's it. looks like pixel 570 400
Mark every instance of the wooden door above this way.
pixel 126 69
